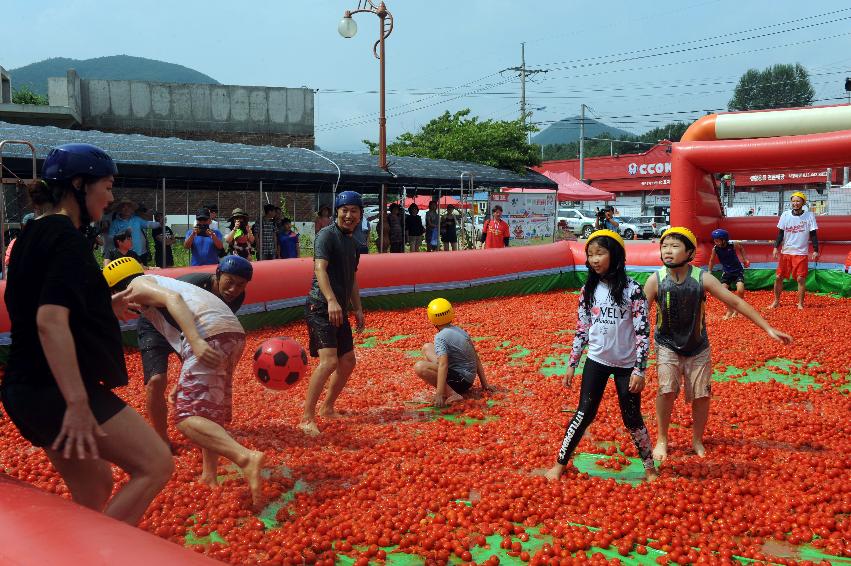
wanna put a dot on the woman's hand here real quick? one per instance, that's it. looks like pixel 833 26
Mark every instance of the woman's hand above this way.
pixel 78 432
pixel 568 377
pixel 636 383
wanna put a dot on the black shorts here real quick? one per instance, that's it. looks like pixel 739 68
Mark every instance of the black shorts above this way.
pixel 38 411
pixel 155 349
pixel 450 238
pixel 323 334
pixel 457 382
pixel 730 279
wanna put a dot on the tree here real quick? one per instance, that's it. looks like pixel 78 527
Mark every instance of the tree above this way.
pixel 596 148
pixel 457 137
pixel 778 86
pixel 25 95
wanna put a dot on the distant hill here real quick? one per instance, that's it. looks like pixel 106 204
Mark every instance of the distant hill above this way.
pixel 567 131
pixel 114 67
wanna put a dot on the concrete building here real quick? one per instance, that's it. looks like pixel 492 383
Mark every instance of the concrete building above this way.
pixel 233 114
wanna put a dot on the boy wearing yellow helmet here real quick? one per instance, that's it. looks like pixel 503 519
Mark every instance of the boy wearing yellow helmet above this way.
pixel 451 362
pixel 210 340
pixel 682 345
pixel 796 229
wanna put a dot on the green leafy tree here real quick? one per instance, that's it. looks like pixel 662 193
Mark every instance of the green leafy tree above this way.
pixel 778 86
pixel 596 148
pixel 459 137
pixel 25 95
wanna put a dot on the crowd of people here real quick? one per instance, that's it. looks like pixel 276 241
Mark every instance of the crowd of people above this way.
pixel 66 357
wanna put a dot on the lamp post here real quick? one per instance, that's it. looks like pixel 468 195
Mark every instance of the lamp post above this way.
pixel 348 28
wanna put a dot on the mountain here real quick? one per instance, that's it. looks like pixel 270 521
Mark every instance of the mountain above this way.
pixel 567 131
pixel 114 67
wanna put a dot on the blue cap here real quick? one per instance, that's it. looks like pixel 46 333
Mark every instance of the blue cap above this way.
pixel 720 234
pixel 65 162
pixel 236 265
pixel 348 197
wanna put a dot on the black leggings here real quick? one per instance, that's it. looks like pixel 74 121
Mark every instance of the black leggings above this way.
pixel 594 378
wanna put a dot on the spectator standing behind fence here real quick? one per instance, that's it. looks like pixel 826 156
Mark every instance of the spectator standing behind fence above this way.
pixel 414 227
pixel 122 247
pixel 449 229
pixel 239 238
pixel 145 256
pixel 203 241
pixel 361 236
pixel 396 223
pixel 157 235
pixel 125 219
pixel 382 232
pixel 288 246
pixel 323 218
pixel 432 227
pixel 495 233
pixel 269 239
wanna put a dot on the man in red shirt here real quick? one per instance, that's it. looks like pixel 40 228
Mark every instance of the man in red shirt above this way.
pixel 495 232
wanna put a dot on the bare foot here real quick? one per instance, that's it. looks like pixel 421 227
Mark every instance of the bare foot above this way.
pixel 309 428
pixel 774 305
pixel 251 473
pixel 453 398
pixel 329 414
pixel 650 474
pixel 554 473
pixel 660 452
pixel 698 448
pixel 209 481
pixel 734 314
pixel 727 315
pixel 800 306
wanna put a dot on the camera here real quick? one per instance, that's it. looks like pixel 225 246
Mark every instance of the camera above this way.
pixel 601 214
pixel 202 229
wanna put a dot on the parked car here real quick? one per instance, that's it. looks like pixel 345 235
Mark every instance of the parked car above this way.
pixel 631 227
pixel 579 220
pixel 658 222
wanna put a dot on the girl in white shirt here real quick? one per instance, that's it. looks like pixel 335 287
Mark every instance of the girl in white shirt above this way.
pixel 613 323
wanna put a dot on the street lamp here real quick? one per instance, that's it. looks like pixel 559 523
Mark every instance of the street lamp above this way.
pixel 348 28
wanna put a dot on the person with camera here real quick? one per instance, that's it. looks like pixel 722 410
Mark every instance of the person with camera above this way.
pixel 203 242
pixel 240 239
pixel 605 219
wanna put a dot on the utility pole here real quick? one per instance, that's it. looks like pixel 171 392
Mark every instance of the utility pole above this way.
pixel 524 72
pixel 582 143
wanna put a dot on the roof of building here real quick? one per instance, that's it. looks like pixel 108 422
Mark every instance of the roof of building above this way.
pixel 141 159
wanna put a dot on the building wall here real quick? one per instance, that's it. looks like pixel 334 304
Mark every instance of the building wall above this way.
pixel 232 114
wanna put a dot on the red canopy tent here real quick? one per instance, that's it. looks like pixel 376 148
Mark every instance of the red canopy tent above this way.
pixel 422 202
pixel 570 188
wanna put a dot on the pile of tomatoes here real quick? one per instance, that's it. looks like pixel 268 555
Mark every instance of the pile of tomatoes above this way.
pixel 467 483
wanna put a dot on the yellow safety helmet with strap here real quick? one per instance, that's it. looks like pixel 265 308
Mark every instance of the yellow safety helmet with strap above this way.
pixel 121 269
pixel 682 231
pixel 440 312
pixel 800 195
pixel 610 233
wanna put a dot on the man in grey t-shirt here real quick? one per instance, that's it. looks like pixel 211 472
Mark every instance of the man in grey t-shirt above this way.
pixel 451 363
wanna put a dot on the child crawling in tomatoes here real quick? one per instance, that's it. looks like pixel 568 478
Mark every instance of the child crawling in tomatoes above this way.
pixel 451 363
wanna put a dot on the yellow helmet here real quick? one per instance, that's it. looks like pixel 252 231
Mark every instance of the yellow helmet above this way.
pixel 800 195
pixel 440 312
pixel 120 269
pixel 610 233
pixel 681 230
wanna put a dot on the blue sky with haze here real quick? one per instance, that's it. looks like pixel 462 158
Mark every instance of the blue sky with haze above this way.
pixel 636 64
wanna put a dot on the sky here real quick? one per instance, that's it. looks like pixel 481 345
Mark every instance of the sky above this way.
pixel 637 65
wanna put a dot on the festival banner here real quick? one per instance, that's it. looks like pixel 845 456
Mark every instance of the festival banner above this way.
pixel 529 215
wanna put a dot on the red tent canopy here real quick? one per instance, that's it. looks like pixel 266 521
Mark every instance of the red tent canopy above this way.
pixel 422 202
pixel 570 188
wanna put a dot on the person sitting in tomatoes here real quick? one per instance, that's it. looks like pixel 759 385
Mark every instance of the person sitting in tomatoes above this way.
pixel 451 362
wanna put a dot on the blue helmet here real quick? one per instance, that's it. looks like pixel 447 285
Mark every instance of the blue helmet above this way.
pixel 348 197
pixel 720 234
pixel 65 162
pixel 236 265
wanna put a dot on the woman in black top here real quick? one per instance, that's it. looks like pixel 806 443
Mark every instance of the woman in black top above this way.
pixel 66 354
pixel 414 227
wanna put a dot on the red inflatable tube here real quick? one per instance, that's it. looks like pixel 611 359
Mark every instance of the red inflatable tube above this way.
pixel 37 528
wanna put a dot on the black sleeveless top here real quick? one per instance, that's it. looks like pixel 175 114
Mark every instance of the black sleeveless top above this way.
pixel 681 313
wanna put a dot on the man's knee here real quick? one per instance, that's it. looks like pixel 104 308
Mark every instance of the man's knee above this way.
pixel 421 368
pixel 347 362
pixel 802 281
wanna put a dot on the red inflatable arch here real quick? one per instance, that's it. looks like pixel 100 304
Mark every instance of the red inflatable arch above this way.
pixel 805 137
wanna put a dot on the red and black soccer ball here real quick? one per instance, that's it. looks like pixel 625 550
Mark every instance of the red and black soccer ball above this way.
pixel 279 362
